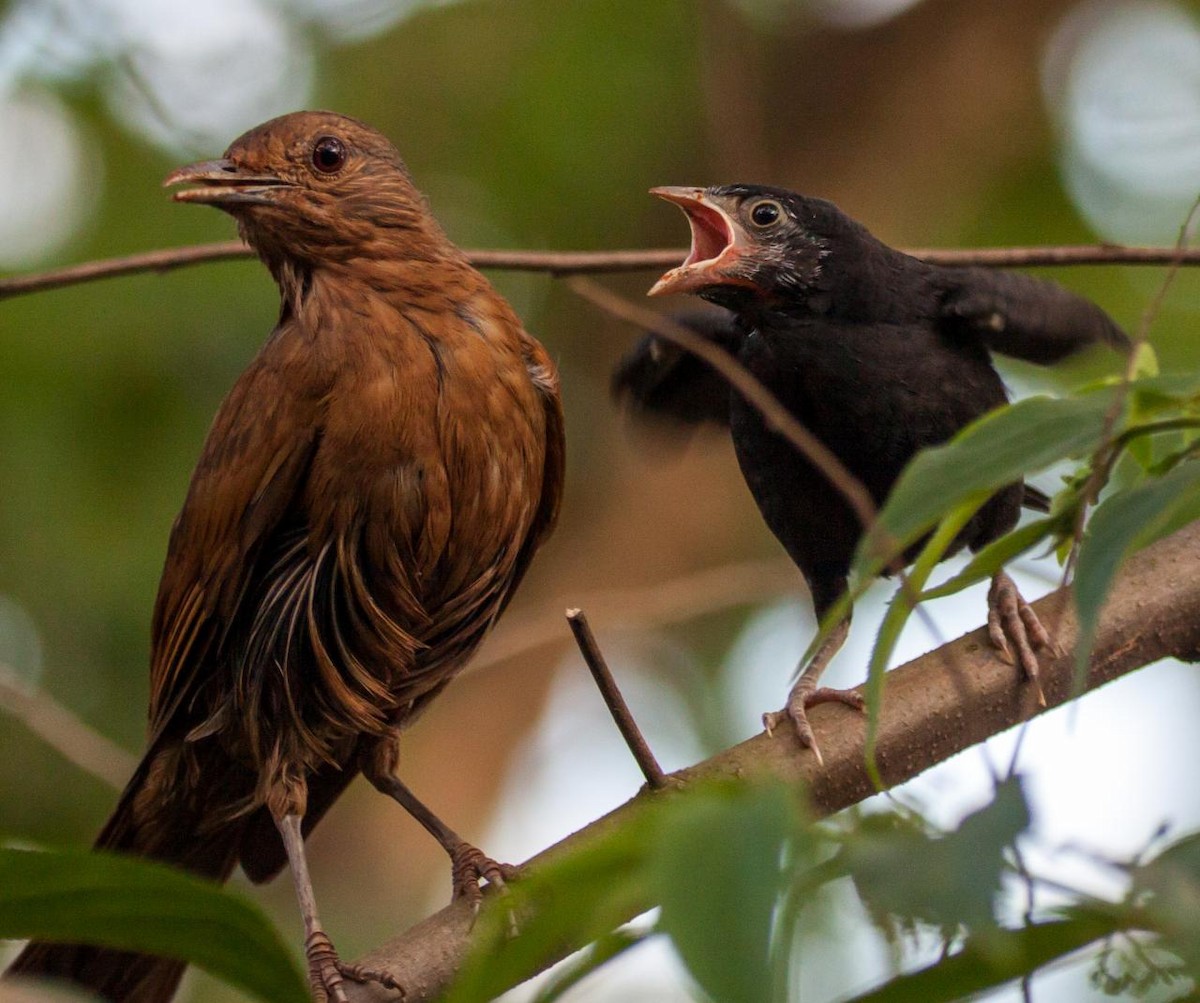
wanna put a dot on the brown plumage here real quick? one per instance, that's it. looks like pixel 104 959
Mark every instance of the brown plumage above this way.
pixel 371 492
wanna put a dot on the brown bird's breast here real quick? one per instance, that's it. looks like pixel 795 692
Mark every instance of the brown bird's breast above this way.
pixel 433 454
pixel 369 495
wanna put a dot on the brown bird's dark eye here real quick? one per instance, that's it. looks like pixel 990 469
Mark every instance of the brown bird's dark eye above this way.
pixel 765 213
pixel 328 155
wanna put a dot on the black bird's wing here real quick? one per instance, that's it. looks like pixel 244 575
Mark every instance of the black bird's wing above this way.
pixel 1022 316
pixel 660 381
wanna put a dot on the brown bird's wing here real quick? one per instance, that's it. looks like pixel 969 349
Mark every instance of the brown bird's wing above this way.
pixel 1024 317
pixel 253 465
pixel 261 854
pixel 554 468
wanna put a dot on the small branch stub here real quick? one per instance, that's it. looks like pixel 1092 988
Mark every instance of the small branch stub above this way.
pixel 617 706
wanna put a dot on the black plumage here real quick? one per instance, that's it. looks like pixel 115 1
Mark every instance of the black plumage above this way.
pixel 875 352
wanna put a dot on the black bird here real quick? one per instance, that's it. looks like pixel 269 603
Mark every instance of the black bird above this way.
pixel 877 353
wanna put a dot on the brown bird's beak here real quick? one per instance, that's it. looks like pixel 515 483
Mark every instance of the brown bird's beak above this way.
pixel 223 183
pixel 717 243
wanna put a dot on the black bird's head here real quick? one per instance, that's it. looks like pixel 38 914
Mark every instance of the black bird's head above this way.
pixel 751 241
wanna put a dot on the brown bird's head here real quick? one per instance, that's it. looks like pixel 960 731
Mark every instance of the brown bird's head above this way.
pixel 312 187
pixel 753 242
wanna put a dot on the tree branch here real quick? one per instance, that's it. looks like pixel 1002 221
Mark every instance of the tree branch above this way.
pixel 593 262
pixel 65 731
pixel 929 714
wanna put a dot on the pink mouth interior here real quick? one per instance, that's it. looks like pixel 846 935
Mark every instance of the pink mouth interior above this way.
pixel 711 234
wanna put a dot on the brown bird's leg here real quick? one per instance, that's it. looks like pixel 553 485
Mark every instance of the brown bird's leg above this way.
pixel 468 864
pixel 1010 618
pixel 324 968
pixel 807 694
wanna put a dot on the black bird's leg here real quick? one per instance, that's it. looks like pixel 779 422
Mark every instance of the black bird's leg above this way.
pixel 468 864
pixel 1010 618
pixel 806 693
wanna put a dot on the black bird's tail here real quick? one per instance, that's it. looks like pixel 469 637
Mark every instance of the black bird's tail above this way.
pixel 1026 317
pixel 1035 499
pixel 145 823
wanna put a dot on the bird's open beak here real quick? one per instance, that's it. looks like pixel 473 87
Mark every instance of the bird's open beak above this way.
pixel 717 243
pixel 223 183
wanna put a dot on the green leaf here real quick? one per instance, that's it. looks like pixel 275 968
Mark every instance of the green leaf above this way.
pixel 579 897
pixel 997 449
pixel 76 896
pixel 1169 888
pixel 711 856
pixel 995 556
pixel 1123 523
pixel 949 881
pixel 603 951
pixel 719 873
pixel 898 613
pixel 1144 361
pixel 992 959
pixel 1170 391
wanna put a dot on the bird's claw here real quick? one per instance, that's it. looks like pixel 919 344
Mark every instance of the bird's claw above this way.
pixel 324 969
pixel 358 973
pixel 469 866
pixel 799 700
pixel 1012 619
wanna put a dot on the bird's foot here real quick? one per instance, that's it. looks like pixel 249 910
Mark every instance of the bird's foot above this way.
pixel 361 974
pixel 469 866
pixel 799 700
pixel 324 969
pixel 1012 623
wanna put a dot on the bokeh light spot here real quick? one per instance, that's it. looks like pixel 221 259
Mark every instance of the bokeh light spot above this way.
pixel 1124 79
pixel 41 201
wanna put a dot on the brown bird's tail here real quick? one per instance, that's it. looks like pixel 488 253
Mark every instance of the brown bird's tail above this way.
pixel 148 824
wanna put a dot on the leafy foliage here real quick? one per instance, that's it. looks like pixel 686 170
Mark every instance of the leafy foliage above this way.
pixel 730 863
pixel 138 905
pixel 1153 419
pixel 907 875
pixel 738 869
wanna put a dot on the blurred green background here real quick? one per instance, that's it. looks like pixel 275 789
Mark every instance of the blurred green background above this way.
pixel 534 125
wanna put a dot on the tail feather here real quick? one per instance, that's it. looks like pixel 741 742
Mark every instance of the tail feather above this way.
pixel 1035 499
pixel 146 824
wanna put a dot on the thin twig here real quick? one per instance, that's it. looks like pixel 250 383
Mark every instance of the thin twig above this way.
pixel 65 732
pixel 595 262
pixel 777 417
pixel 133 264
pixel 1049 256
pixel 616 702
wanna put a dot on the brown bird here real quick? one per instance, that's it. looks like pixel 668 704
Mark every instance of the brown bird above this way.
pixel 370 494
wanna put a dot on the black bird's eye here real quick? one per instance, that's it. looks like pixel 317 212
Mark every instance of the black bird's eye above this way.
pixel 765 213
pixel 328 155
